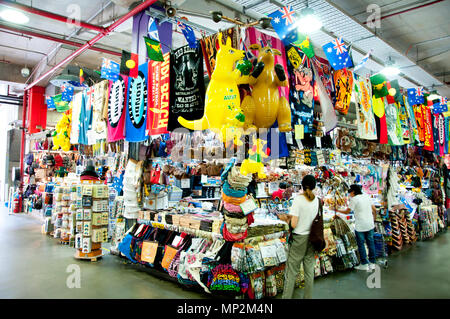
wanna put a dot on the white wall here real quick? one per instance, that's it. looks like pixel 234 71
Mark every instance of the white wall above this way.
pixel 8 113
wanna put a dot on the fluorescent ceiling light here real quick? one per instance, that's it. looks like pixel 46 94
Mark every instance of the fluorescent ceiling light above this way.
pixel 390 71
pixel 14 16
pixel 308 21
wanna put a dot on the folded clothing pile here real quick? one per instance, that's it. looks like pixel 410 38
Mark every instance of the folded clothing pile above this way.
pixel 132 189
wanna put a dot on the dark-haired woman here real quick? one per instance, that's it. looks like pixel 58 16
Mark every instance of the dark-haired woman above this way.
pixel 303 211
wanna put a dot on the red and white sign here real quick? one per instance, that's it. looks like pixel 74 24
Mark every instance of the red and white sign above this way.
pixel 158 96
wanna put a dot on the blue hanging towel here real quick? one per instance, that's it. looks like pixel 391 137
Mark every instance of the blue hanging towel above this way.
pixel 136 121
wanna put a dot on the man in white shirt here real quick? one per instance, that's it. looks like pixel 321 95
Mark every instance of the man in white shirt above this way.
pixel 365 213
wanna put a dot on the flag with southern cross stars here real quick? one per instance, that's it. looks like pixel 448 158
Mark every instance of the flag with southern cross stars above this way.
pixel 338 55
pixel 189 34
pixel 152 29
pixel 67 93
pixel 50 103
pixel 283 21
pixel 110 70
pixel 415 96
pixel 440 105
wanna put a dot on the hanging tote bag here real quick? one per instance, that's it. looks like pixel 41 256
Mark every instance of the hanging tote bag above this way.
pixel 155 175
pixel 169 254
pixel 175 263
pixel 316 233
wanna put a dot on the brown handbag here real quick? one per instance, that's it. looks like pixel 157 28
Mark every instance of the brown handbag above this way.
pixel 316 237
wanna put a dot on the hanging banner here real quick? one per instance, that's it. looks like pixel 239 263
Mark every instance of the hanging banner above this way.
pixel 100 108
pixel 328 114
pixel 325 73
pixel 210 46
pixel 76 111
pixel 159 96
pixel 143 26
pixel 428 128
pixel 380 119
pixel 393 124
pixel 117 108
pixel 404 123
pixel 412 121
pixel 419 116
pixel 136 119
pixel 438 134
pixel 343 81
pixel 301 88
pixel 366 127
pixel 187 89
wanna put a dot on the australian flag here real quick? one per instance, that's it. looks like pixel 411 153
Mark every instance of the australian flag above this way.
pixel 66 93
pixel 189 34
pixel 363 61
pixel 50 103
pixel 415 96
pixel 283 21
pixel 110 70
pixel 338 55
pixel 440 105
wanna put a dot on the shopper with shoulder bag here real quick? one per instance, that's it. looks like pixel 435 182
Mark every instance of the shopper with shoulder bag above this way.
pixel 306 221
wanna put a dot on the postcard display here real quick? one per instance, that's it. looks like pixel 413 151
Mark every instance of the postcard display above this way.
pixel 92 217
pixel 62 215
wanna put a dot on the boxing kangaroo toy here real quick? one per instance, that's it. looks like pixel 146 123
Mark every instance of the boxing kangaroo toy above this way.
pixel 223 113
pixel 267 105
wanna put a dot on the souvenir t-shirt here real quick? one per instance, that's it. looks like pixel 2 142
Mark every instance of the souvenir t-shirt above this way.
pixel 117 108
pixel 301 88
pixel 419 116
pixel 306 211
pixel 412 121
pixel 136 118
pixel 99 105
pixel 361 205
pixel 367 128
pixel 187 89
pixel 77 102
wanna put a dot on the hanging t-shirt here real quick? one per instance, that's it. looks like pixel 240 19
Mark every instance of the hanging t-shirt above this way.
pixel 90 134
pixel 187 87
pixel 325 92
pixel 85 119
pixel 279 148
pixel 380 119
pixel 414 132
pixel 99 104
pixel 404 122
pixel 117 108
pixel 136 118
pixel 75 124
pixel 367 128
pixel 447 131
pixel 301 88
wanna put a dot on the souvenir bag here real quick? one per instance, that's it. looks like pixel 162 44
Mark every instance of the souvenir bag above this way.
pixel 301 88
pixel 175 263
pixel 149 249
pixel 169 254
pixel 155 175
pixel 316 236
pixel 343 81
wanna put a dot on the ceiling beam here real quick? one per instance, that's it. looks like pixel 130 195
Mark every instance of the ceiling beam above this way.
pixel 51 15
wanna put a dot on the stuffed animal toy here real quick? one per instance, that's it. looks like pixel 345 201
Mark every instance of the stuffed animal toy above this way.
pixel 253 164
pixel 61 135
pixel 343 141
pixel 267 106
pixel 223 113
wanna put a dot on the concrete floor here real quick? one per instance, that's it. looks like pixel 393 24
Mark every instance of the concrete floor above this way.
pixel 34 266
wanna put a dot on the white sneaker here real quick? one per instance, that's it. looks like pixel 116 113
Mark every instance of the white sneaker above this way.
pixel 362 267
pixel 372 266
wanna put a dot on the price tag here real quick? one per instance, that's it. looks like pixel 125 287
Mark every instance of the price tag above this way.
pixel 299 143
pixel 289 138
pixel 318 142
pixel 204 179
pixel 299 132
pixel 185 183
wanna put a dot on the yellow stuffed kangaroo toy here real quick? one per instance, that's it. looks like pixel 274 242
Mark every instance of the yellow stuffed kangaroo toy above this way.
pixel 267 105
pixel 223 113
